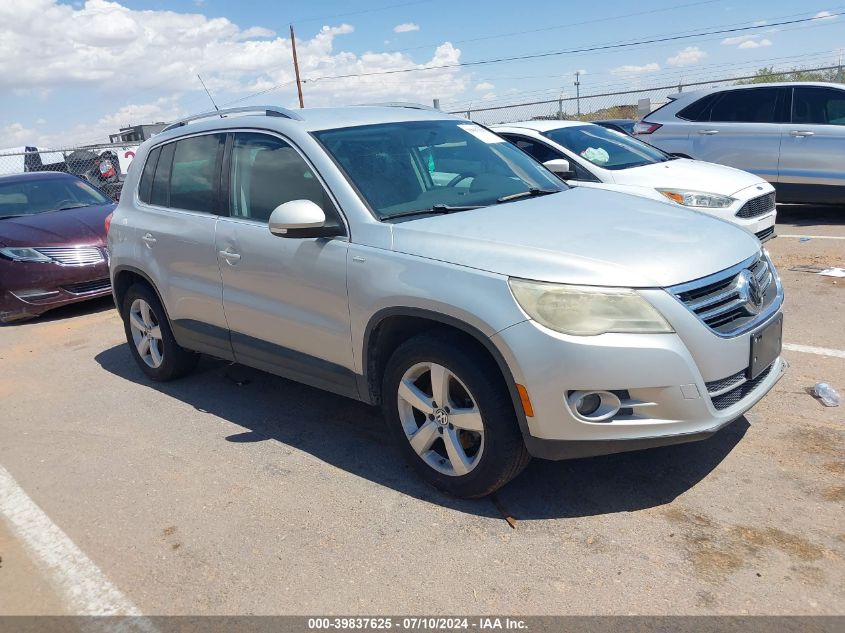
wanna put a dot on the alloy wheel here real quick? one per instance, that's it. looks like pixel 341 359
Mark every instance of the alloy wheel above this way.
pixel 146 333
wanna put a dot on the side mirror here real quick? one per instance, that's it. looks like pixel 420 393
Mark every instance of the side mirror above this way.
pixel 293 218
pixel 560 167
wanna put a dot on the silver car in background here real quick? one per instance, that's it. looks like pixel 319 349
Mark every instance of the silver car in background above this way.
pixel 415 260
pixel 791 134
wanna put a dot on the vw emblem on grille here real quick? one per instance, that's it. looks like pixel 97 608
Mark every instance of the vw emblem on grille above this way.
pixel 750 292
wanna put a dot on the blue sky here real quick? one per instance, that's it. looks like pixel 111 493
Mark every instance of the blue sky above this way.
pixel 73 71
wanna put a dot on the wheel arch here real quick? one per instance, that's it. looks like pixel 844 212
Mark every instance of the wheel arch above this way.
pixel 389 327
pixel 123 279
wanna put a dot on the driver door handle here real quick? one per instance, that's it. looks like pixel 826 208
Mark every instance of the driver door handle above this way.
pixel 708 132
pixel 801 133
pixel 231 257
pixel 149 239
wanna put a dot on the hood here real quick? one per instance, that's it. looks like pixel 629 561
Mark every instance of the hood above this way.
pixel 683 173
pixel 582 236
pixel 66 228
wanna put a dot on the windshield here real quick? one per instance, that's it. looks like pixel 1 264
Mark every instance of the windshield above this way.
pixel 606 148
pixel 431 166
pixel 30 197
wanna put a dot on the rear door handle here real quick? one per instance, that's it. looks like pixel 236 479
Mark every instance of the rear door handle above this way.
pixel 230 257
pixel 149 239
pixel 801 133
pixel 708 132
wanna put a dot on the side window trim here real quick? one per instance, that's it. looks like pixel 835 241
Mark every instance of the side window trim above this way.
pixel 227 170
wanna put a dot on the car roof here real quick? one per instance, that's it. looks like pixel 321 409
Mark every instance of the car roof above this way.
pixel 542 126
pixel 310 119
pixel 772 84
pixel 36 175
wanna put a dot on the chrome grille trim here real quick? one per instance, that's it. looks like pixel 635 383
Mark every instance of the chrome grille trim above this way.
pixel 88 287
pixel 716 302
pixel 73 255
pixel 757 206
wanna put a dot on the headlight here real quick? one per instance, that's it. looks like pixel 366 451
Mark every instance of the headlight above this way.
pixel 698 198
pixel 23 254
pixel 587 310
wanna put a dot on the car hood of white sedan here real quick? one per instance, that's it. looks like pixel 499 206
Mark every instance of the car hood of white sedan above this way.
pixel 694 175
pixel 581 236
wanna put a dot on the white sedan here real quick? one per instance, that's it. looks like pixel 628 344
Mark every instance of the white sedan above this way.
pixel 593 156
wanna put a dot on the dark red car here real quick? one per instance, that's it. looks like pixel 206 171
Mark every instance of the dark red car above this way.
pixel 52 243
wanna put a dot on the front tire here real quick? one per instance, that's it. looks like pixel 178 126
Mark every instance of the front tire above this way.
pixel 150 338
pixel 452 416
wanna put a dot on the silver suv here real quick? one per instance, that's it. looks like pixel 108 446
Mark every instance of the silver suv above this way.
pixel 791 134
pixel 412 259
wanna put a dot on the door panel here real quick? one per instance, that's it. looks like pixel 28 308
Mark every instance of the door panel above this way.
pixel 285 299
pixel 177 246
pixel 813 145
pixel 741 128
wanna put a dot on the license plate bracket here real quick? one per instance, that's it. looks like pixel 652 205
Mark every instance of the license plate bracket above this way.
pixel 766 345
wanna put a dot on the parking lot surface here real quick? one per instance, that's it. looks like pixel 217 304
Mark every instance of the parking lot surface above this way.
pixel 236 492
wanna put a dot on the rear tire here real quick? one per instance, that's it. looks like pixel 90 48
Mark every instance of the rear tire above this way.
pixel 468 444
pixel 150 338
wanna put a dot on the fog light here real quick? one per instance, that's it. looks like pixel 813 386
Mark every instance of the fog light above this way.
pixel 594 406
pixel 589 404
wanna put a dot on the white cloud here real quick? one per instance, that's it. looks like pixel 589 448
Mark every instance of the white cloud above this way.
pixel 47 47
pixel 485 85
pixel 16 134
pixel 635 70
pixel 747 41
pixel 406 27
pixel 687 57
pixel 755 43
pixel 489 96
pixel 199 3
pixel 825 15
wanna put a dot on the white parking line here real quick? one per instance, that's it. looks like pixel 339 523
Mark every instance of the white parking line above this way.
pixel 821 351
pixel 83 587
pixel 815 237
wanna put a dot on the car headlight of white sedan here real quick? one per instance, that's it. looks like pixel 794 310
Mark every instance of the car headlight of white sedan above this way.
pixel 587 310
pixel 699 199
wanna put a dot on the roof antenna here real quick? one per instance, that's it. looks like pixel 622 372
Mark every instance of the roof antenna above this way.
pixel 209 94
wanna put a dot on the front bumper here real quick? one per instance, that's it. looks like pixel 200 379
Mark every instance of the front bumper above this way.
pixel 664 376
pixel 28 290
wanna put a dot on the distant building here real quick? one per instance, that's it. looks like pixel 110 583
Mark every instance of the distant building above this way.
pixel 136 133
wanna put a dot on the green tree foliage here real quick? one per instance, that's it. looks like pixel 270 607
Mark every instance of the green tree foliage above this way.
pixel 767 74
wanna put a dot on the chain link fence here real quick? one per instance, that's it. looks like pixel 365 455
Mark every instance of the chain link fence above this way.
pixel 103 166
pixel 626 104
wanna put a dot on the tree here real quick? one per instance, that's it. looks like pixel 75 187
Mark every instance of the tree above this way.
pixel 767 74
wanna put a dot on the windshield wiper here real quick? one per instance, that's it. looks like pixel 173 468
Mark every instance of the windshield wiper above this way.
pixel 73 206
pixel 14 215
pixel 534 191
pixel 436 209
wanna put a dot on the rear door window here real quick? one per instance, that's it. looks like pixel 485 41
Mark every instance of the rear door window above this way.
pixel 193 176
pixel 819 106
pixel 145 187
pixel 753 105
pixel 161 180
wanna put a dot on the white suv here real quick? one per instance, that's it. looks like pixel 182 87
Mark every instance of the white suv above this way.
pixel 791 134
pixel 496 315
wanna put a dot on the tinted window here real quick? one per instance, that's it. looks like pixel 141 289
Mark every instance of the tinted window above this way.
pixel 267 172
pixel 699 110
pixel 145 187
pixel 192 177
pixel 161 179
pixel 825 106
pixel 408 167
pixel 30 197
pixel 606 148
pixel 756 105
pixel 538 151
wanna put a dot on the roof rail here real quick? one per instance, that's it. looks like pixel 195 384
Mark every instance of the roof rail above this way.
pixel 401 104
pixel 275 111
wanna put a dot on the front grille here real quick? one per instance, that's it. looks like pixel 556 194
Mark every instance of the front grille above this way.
pixel 732 396
pixel 73 255
pixel 86 287
pixel 724 301
pixel 718 387
pixel 757 206
pixel 765 234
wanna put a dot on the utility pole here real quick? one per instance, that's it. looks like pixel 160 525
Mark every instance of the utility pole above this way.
pixel 839 76
pixel 578 91
pixel 560 106
pixel 296 67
